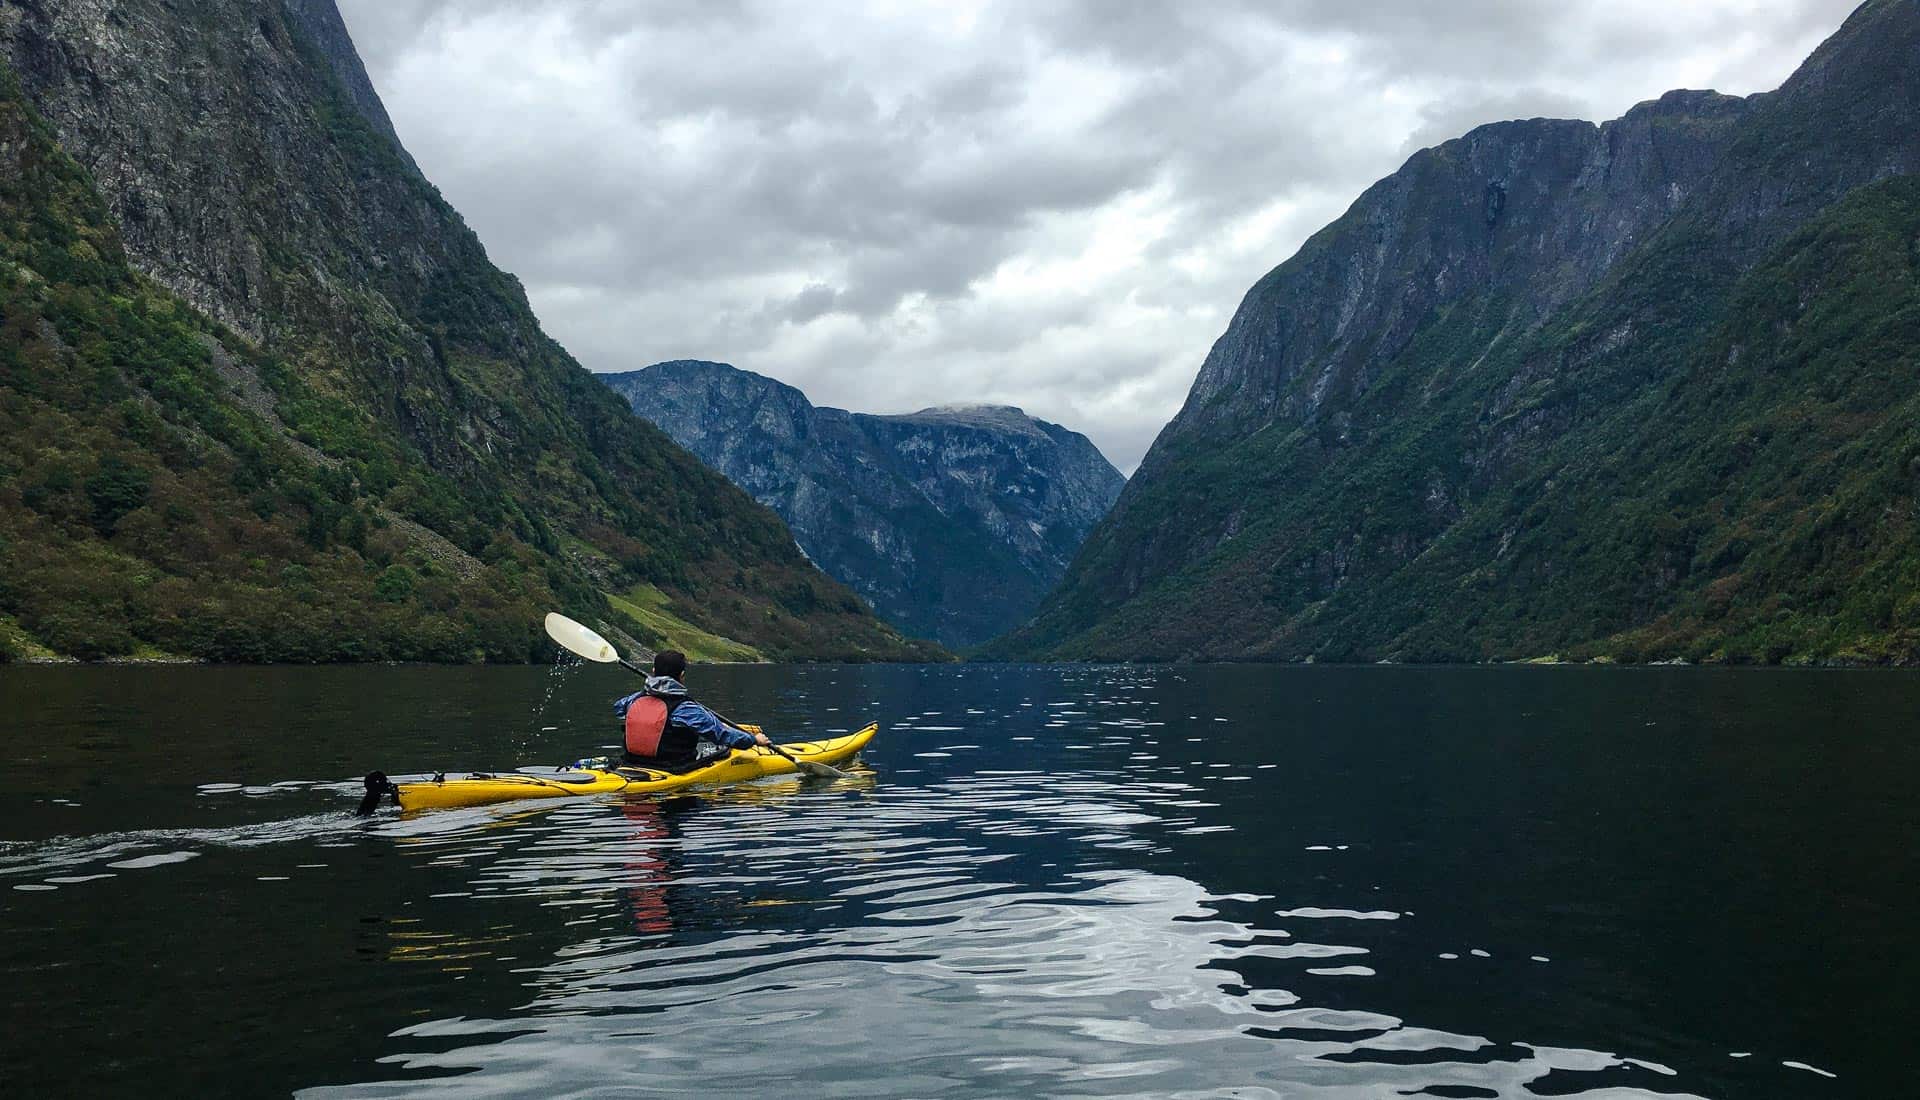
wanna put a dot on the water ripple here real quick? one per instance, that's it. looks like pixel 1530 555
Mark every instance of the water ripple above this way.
pixel 1061 921
pixel 934 956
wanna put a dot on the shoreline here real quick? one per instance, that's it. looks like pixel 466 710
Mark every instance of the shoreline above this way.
pixel 1535 663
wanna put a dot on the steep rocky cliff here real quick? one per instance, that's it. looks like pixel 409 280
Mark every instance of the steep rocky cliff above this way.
pixel 266 398
pixel 1638 390
pixel 953 522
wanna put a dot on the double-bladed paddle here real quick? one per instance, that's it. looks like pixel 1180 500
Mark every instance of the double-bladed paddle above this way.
pixel 582 642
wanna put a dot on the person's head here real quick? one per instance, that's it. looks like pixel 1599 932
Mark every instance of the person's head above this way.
pixel 670 662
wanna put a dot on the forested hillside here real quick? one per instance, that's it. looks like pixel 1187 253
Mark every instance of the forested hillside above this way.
pixel 263 397
pixel 1639 391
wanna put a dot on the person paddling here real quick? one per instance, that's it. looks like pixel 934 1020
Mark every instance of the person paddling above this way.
pixel 667 730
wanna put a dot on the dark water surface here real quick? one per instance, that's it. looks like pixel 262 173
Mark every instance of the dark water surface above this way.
pixel 1219 881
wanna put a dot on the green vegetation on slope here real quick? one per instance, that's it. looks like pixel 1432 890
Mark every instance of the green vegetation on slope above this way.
pixel 143 505
pixel 1773 484
pixel 1705 453
pixel 652 610
pixel 1738 482
pixel 168 487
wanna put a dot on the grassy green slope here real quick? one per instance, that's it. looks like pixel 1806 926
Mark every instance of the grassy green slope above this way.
pixel 395 475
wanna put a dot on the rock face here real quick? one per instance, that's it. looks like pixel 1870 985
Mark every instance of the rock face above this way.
pixel 952 522
pixel 1558 388
pixel 326 379
pixel 1532 212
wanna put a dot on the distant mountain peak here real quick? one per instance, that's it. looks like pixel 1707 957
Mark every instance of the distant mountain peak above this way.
pixel 1002 418
pixel 953 521
pixel 965 408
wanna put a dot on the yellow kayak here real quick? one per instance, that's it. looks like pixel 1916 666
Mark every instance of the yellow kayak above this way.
pixel 479 789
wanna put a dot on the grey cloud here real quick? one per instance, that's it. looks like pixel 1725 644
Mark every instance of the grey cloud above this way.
pixel 817 300
pixel 1138 31
pixel 943 264
pixel 1013 184
pixel 985 89
pixel 827 194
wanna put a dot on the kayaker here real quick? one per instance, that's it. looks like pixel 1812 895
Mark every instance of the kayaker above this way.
pixel 667 730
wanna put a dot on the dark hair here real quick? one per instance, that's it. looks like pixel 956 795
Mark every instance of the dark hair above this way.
pixel 670 662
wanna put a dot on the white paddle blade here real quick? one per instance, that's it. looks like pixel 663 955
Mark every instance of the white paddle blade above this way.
pixel 578 639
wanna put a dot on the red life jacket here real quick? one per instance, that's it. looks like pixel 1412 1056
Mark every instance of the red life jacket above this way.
pixel 646 722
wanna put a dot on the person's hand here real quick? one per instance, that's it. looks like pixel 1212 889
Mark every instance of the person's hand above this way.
pixel 762 739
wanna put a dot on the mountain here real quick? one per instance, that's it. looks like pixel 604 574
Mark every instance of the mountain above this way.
pixel 264 397
pixel 952 522
pixel 1637 391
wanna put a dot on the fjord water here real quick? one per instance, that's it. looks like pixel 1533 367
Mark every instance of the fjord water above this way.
pixel 1233 881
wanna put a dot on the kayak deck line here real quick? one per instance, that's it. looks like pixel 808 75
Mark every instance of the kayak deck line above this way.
pixel 483 788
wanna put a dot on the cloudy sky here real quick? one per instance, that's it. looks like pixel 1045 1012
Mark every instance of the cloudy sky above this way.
pixel 1055 205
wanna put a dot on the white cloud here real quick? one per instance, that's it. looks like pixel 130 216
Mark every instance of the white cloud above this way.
pixel 1053 205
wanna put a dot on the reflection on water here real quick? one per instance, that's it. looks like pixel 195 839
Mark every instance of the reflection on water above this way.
pixel 938 956
pixel 1147 883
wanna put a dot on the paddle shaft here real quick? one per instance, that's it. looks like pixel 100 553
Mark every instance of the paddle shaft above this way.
pixel 803 765
pixel 814 767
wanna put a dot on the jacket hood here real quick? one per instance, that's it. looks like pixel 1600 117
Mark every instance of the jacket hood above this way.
pixel 666 687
